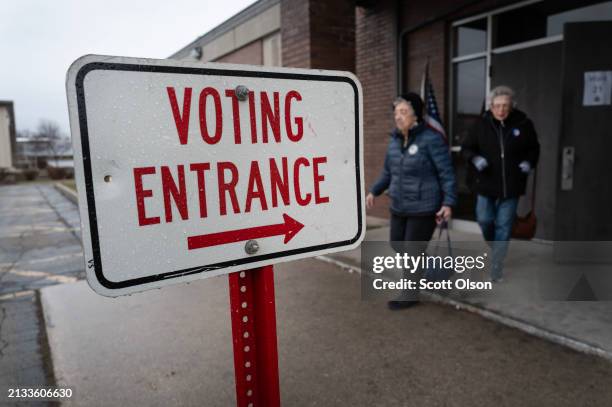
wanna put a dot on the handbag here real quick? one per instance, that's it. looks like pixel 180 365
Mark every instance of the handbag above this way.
pixel 524 227
pixel 441 273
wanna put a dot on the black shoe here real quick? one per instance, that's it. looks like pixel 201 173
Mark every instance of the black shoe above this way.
pixel 397 305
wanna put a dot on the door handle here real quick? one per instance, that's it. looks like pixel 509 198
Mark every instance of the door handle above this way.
pixel 567 169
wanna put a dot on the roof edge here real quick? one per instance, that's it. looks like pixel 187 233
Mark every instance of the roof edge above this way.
pixel 236 20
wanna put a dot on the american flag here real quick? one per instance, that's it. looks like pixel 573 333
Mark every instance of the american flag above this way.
pixel 432 113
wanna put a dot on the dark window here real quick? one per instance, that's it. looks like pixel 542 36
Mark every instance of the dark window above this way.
pixel 596 12
pixel 468 104
pixel 471 38
pixel 519 25
pixel 543 19
pixel 470 82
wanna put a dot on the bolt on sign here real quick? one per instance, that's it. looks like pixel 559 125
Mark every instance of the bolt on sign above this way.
pixel 189 170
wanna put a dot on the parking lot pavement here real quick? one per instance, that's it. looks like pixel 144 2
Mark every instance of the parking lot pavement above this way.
pixel 39 246
pixel 39 239
pixel 24 353
pixel 174 346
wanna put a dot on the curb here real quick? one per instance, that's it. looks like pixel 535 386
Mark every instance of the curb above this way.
pixel 67 192
pixel 531 329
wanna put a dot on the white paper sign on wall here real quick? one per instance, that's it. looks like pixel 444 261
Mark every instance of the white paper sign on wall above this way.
pixel 597 88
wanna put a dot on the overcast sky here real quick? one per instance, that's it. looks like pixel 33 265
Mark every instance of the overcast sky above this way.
pixel 39 39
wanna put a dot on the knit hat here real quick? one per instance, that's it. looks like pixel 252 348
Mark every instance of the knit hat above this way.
pixel 416 103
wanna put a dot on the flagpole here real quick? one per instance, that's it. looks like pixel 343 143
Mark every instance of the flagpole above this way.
pixel 424 79
pixel 431 116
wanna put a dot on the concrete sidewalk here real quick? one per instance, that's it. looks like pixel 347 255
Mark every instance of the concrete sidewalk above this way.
pixel 582 325
pixel 173 347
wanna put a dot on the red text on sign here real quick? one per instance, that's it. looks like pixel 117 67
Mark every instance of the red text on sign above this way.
pixel 284 183
pixel 274 114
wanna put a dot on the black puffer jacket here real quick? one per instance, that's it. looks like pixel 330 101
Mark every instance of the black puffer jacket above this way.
pixel 504 146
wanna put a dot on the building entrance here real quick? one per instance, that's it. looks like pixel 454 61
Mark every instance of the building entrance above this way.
pixel 525 46
pixel 535 75
pixel 584 189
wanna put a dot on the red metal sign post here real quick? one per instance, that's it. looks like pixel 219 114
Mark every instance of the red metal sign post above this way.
pixel 254 337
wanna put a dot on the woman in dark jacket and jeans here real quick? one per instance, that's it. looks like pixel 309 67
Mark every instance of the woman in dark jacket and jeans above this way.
pixel 419 176
pixel 503 148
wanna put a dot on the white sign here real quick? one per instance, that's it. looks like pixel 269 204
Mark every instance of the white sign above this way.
pixel 175 173
pixel 597 88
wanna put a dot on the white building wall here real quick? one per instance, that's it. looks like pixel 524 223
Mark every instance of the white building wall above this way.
pixel 5 138
pixel 272 51
pixel 264 26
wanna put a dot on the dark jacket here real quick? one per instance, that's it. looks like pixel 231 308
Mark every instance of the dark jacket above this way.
pixel 504 146
pixel 420 177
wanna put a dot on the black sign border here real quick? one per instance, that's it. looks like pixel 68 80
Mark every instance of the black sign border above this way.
pixel 89 188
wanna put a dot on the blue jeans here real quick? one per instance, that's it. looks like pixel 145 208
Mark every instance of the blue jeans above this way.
pixel 496 217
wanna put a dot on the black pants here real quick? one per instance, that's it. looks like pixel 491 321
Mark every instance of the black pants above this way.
pixel 411 234
pixel 412 228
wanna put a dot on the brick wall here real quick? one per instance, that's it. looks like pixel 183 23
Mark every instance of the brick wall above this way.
pixel 318 34
pixel 295 33
pixel 419 46
pixel 249 54
pixel 332 35
pixel 375 66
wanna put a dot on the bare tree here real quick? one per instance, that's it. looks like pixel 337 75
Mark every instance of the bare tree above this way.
pixel 25 133
pixel 24 156
pixel 50 139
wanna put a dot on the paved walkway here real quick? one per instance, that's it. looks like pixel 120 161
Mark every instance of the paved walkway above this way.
pixel 39 247
pixel 517 302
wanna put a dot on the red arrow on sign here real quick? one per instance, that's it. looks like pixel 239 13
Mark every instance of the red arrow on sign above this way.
pixel 290 227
